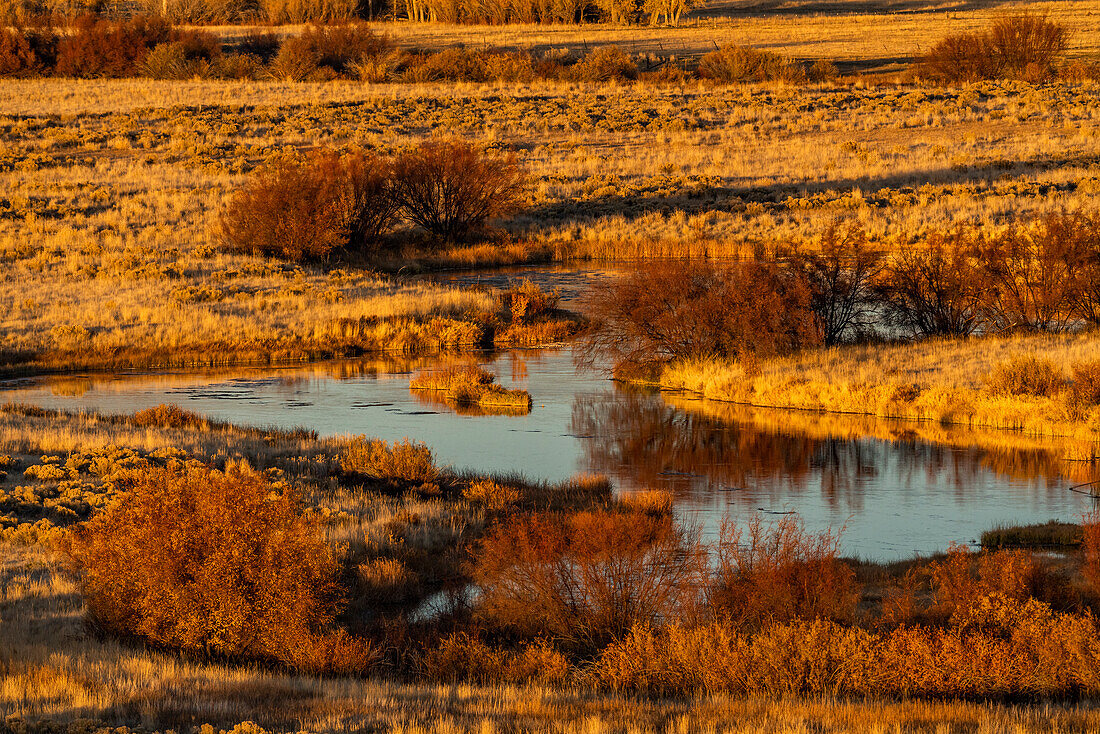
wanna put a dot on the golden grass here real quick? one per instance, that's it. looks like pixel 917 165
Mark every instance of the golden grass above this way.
pixel 941 381
pixel 1008 452
pixel 470 385
pixel 112 188
pixel 875 34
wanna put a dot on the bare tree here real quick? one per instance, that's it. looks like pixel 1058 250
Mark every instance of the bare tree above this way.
pixel 840 275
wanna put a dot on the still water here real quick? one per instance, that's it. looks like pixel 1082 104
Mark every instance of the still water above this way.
pixel 894 494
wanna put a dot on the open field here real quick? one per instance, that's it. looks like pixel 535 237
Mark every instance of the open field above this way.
pixel 106 229
pixel 113 188
pixel 858 36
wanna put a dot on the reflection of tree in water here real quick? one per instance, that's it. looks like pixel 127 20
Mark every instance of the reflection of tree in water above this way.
pixel 641 441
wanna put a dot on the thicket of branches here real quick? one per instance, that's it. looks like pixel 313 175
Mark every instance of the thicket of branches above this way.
pixel 1043 275
pixel 306 208
pixel 1022 46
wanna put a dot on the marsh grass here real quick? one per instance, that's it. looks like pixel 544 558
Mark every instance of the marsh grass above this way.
pixel 101 254
pixel 470 385
pixel 1052 534
pixel 940 381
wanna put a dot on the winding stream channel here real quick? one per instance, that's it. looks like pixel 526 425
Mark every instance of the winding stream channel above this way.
pixel 895 495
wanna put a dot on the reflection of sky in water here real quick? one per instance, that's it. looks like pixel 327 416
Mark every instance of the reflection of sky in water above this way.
pixel 895 497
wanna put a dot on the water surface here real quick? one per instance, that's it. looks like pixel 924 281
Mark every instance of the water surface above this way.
pixel 895 496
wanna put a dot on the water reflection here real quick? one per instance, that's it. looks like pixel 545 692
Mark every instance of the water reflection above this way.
pixel 643 440
pixel 898 487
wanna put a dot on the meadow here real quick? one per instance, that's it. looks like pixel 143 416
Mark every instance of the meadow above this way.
pixel 111 196
pixel 590 612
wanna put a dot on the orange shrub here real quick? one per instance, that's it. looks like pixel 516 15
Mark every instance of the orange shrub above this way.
pixel 452 188
pixel 305 208
pixel 404 461
pixel 222 562
pixel 1002 648
pixel 962 57
pixel 768 574
pixel 455 64
pixel 26 52
pixel 103 48
pixel 462 657
pixel 963 579
pixel 681 309
pixel 1090 542
pixel 605 65
pixel 327 52
pixel 586 577
pixel 1024 46
pixel 1033 274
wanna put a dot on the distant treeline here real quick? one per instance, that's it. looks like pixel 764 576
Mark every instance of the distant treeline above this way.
pixel 324 11
pixel 1026 47
pixel 149 46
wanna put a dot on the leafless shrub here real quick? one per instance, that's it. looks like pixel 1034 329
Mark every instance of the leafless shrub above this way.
pixel 779 573
pixel 840 274
pixel 1035 275
pixel 456 64
pixel 197 11
pixel 934 290
pixel 587 577
pixel 305 208
pixel 103 48
pixel 451 188
pixel 1024 46
pixel 680 309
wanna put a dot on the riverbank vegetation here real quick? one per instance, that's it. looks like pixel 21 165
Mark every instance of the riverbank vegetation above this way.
pixel 977 329
pixel 579 597
pixel 470 386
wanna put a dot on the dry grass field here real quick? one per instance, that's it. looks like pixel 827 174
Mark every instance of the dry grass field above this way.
pixel 879 37
pixel 112 189
pixel 109 258
pixel 59 674
pixel 944 382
